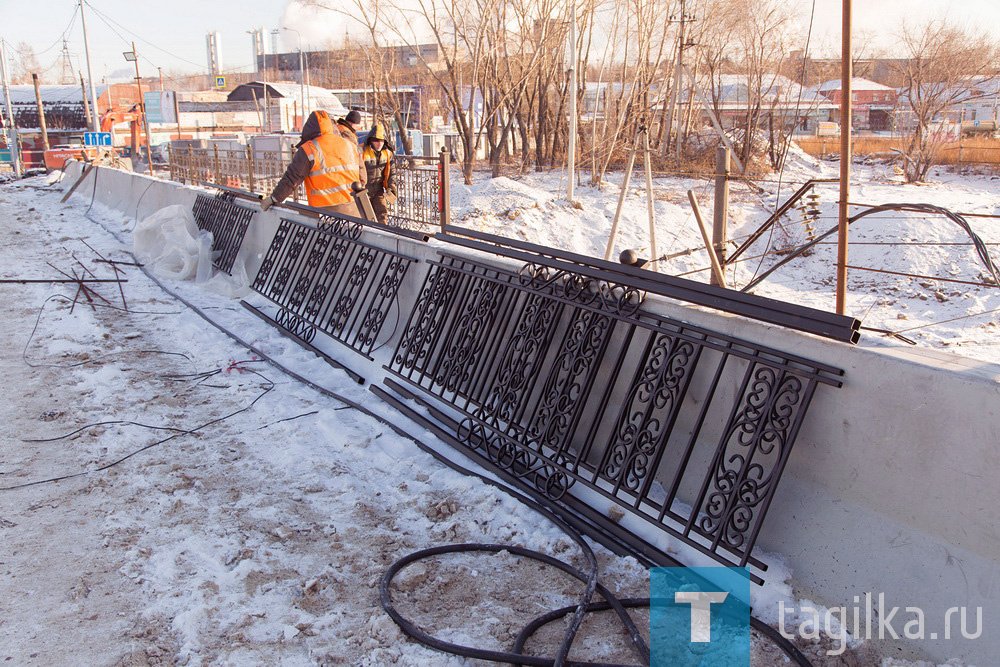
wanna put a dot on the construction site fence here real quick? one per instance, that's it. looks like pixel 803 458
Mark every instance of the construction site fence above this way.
pixel 422 182
pixel 967 150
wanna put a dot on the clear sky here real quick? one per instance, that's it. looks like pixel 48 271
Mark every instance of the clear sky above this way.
pixel 171 33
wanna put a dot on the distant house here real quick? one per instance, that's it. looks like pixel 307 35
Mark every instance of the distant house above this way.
pixel 280 106
pixel 873 105
pixel 781 98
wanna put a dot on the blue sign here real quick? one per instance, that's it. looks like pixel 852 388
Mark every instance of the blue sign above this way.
pixel 220 82
pixel 698 616
pixel 96 138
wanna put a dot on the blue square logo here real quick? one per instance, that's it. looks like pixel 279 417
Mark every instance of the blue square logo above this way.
pixel 699 617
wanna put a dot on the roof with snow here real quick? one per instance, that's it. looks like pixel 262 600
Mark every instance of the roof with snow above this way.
pixel 71 94
pixel 857 84
pixel 320 98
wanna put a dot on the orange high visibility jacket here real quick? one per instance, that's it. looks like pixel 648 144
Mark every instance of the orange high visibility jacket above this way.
pixel 334 167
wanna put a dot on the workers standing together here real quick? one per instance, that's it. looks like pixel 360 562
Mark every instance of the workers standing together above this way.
pixel 333 167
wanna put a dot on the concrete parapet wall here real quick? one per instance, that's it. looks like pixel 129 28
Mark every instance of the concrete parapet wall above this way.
pixel 890 487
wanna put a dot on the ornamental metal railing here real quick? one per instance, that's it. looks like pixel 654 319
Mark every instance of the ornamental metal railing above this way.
pixel 422 183
pixel 227 221
pixel 327 279
pixel 565 384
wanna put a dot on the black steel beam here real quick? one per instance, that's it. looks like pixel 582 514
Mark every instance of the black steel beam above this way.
pixel 792 316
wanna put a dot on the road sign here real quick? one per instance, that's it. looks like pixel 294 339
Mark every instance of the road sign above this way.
pixel 220 82
pixel 159 106
pixel 96 138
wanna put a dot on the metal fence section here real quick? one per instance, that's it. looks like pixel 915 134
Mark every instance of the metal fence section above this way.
pixel 422 188
pixel 325 278
pixel 562 380
pixel 423 202
pixel 227 221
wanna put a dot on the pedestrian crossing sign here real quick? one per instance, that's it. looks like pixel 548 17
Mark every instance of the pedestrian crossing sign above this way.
pixel 220 82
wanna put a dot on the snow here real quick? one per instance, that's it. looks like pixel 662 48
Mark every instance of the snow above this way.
pixel 535 209
pixel 254 516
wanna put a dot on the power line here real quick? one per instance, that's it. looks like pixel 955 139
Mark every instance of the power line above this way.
pixel 108 20
pixel 61 37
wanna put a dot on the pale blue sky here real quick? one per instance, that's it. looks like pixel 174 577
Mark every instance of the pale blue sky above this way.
pixel 171 33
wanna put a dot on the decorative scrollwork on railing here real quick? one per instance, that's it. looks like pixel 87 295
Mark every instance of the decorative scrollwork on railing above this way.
pixel 334 282
pixel 340 226
pixel 648 412
pixel 753 448
pixel 227 221
pixel 621 300
pixel 296 325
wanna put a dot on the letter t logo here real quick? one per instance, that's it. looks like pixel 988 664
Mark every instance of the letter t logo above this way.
pixel 701 611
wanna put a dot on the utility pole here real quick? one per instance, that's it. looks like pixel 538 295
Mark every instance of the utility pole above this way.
pixel 13 141
pixel 674 93
pixel 41 111
pixel 86 103
pixel 142 110
pixel 843 211
pixel 677 81
pixel 95 115
pixel 571 152
pixel 302 91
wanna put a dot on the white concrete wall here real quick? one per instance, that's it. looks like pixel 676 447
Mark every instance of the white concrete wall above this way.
pixel 890 487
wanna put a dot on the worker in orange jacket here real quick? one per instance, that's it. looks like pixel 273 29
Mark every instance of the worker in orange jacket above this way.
pixel 377 156
pixel 327 163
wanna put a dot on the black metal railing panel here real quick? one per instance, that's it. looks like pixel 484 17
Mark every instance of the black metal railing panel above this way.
pixel 563 379
pixel 326 278
pixel 228 222
pixel 419 196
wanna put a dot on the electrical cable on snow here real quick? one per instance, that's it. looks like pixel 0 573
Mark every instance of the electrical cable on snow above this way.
pixel 540 505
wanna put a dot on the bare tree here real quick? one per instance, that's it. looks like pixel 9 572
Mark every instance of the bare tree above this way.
pixel 941 69
pixel 25 63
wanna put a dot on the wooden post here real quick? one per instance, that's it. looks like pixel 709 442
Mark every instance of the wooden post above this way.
pixel 142 111
pixel 86 101
pixel 654 256
pixel 445 187
pixel 41 111
pixel 843 211
pixel 621 199
pixel 250 185
pixel 177 115
pixel 717 273
pixel 216 173
pixel 720 216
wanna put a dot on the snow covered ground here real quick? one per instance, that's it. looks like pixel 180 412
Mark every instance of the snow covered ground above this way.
pixel 535 209
pixel 254 516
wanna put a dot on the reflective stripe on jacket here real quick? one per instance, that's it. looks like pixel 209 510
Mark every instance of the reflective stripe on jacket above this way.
pixel 334 166
pixel 374 163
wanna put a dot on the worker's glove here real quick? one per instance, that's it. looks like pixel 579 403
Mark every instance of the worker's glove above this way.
pixel 390 197
pixel 266 203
